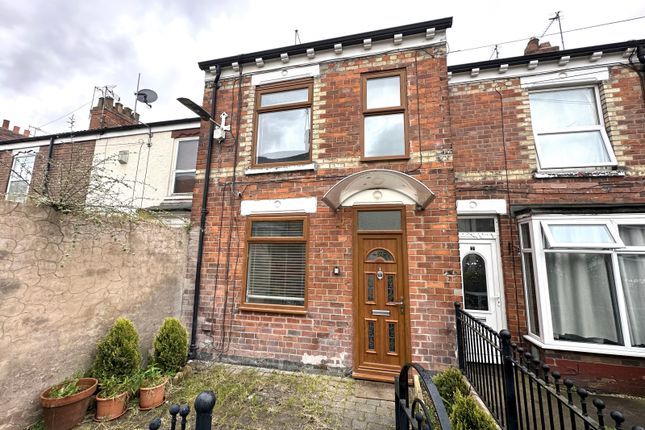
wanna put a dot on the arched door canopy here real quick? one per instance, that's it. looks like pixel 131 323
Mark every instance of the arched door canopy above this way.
pixel 378 186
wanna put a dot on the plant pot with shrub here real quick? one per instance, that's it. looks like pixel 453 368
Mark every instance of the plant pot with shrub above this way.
pixel 152 388
pixel 170 346
pixel 65 404
pixel 112 399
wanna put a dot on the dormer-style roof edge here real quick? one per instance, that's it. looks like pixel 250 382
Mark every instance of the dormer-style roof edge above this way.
pixel 329 44
pixel 546 56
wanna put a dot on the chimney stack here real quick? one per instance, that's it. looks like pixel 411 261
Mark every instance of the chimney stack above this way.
pixel 107 114
pixel 535 47
pixel 8 134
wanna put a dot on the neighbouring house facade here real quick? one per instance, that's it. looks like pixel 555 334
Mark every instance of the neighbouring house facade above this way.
pixel 365 186
pixel 549 159
pixel 117 162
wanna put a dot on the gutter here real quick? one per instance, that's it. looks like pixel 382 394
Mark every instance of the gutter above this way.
pixel 202 222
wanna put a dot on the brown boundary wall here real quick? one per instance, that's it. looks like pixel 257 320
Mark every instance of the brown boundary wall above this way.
pixel 62 284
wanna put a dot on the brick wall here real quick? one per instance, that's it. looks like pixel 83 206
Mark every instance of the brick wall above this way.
pixel 324 336
pixel 491 165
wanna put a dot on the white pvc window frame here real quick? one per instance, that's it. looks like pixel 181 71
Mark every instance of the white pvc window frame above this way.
pixel 174 170
pixel 600 127
pixel 15 173
pixel 539 249
pixel 612 229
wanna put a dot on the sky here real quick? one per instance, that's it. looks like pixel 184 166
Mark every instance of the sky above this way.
pixel 55 52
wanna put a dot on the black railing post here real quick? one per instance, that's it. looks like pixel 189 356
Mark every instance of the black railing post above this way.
pixel 460 338
pixel 401 393
pixel 509 381
pixel 204 404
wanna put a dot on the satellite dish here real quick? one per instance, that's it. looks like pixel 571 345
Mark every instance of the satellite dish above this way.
pixel 146 96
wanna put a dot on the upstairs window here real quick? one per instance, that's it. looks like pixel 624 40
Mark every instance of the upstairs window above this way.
pixel 22 169
pixel 184 171
pixel 569 130
pixel 384 115
pixel 283 124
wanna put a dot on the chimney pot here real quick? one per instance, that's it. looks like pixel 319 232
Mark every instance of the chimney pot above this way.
pixel 108 102
pixel 5 124
pixel 26 133
pixel 16 129
pixel 127 111
pixel 119 107
pixel 535 47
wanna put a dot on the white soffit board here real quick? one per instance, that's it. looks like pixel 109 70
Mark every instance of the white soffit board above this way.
pixel 481 207
pixel 579 76
pixel 278 206
pixel 286 74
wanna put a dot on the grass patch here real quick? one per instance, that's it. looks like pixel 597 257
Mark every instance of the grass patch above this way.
pixel 247 398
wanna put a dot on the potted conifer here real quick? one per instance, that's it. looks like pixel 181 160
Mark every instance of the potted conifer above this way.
pixel 65 404
pixel 116 366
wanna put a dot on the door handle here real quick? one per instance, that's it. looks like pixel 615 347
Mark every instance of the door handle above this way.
pixel 401 304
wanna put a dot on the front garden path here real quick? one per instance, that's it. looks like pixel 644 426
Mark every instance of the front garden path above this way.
pixel 263 399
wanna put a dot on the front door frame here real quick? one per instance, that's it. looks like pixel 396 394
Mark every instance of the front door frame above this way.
pixel 356 331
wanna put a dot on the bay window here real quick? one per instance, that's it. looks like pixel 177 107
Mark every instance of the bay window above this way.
pixel 584 280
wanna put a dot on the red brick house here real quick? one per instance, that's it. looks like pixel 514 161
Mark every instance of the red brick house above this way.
pixel 360 176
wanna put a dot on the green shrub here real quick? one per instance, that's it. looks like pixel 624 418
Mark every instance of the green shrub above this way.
pixel 118 353
pixel 448 383
pixel 466 414
pixel 171 346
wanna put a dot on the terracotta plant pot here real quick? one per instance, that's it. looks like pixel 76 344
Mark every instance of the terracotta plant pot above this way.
pixel 151 397
pixel 111 408
pixel 66 412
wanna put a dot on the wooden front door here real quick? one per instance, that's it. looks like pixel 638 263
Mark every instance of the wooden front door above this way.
pixel 380 297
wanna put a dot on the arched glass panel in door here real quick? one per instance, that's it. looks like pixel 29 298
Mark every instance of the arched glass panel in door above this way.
pixel 380 255
pixel 473 272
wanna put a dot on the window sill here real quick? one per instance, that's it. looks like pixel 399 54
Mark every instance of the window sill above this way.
pixel 587 348
pixel 273 309
pixel 280 169
pixel 583 173
pixel 388 158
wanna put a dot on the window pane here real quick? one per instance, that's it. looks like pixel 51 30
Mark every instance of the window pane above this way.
pixel 17 191
pixel 184 182
pixel 583 298
pixel 294 228
pixel 564 108
pixel 276 273
pixel 632 235
pixel 187 155
pixel 383 92
pixel 531 298
pixel 580 233
pixel 473 272
pixel 23 167
pixel 632 274
pixel 582 149
pixel 525 234
pixel 384 135
pixel 380 255
pixel 283 136
pixel 379 220
pixel 284 97
pixel 476 225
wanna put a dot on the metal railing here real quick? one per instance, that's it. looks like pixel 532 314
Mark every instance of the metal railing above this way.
pixel 425 412
pixel 204 404
pixel 519 390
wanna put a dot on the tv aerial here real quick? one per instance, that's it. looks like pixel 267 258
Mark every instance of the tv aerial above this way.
pixel 146 96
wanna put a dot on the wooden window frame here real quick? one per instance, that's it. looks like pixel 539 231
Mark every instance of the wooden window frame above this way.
pixel 273 308
pixel 402 108
pixel 276 88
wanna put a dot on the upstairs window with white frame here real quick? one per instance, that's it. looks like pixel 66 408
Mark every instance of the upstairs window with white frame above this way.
pixel 22 169
pixel 569 129
pixel 584 281
pixel 183 175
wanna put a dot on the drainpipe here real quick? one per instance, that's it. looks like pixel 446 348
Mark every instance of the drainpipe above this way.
pixel 202 222
pixel 50 155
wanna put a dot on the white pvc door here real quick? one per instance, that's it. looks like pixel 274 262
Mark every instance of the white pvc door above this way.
pixel 482 295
